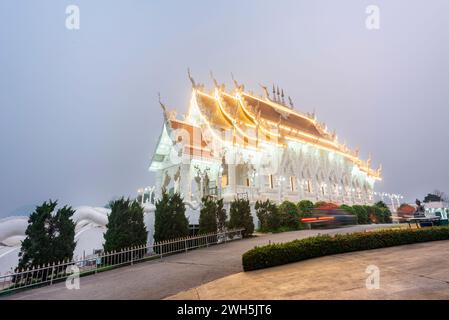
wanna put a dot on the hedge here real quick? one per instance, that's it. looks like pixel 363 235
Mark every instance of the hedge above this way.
pixel 318 246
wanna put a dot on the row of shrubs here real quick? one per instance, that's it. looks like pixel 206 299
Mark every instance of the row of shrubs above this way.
pixel 378 213
pixel 287 216
pixel 284 217
pixel 298 250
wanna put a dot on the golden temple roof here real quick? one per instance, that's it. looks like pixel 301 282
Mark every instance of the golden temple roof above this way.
pixel 254 119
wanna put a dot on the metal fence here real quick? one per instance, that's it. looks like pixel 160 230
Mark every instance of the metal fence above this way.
pixel 55 272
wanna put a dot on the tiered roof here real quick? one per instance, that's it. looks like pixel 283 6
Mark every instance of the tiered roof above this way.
pixel 255 120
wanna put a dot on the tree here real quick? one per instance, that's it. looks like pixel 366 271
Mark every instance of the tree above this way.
pixel 381 204
pixel 305 208
pixel 170 219
pixel 63 234
pixel 436 196
pixel 49 238
pixel 361 213
pixel 240 216
pixel 208 216
pixel 384 212
pixel 126 227
pixel 221 216
pixel 289 216
pixel 347 208
pixel 268 215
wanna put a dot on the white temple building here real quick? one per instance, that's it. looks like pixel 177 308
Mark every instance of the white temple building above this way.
pixel 236 144
pixel 230 144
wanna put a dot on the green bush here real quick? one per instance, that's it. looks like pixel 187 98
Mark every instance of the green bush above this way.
pixel 268 215
pixel 298 250
pixel 385 212
pixel 240 216
pixel 126 227
pixel 170 221
pixel 361 213
pixel 305 208
pixel 378 213
pixel 289 216
pixel 208 216
pixel 348 209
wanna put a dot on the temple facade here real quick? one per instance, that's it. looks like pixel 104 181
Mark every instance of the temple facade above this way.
pixel 233 143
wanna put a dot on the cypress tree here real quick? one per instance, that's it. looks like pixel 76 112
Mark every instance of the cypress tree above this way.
pixel 305 208
pixel 49 238
pixel 208 216
pixel 289 216
pixel 125 227
pixel 240 216
pixel 221 216
pixel 170 220
pixel 268 215
pixel 64 234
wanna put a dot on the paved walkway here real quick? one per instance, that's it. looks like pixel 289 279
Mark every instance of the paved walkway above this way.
pixel 418 271
pixel 171 275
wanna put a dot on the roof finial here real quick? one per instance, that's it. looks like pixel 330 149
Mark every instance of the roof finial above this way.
pixel 214 80
pixel 164 108
pixel 290 102
pixel 238 86
pixel 274 93
pixel 379 170
pixel 282 96
pixel 191 78
pixel 265 90
pixel 278 94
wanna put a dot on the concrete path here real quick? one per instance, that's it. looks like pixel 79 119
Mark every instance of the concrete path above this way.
pixel 173 274
pixel 418 271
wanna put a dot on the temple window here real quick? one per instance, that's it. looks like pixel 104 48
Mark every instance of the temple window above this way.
pixel 224 180
pixel 292 183
pixel 309 186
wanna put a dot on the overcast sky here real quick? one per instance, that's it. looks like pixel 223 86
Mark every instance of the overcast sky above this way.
pixel 79 117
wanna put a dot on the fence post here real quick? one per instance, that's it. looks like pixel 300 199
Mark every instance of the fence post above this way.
pixel 132 255
pixel 96 263
pixel 185 244
pixel 52 269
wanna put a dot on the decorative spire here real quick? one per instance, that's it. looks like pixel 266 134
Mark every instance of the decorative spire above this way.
pixel 274 93
pixel 217 85
pixel 290 102
pixel 265 90
pixel 282 96
pixel 191 78
pixel 278 94
pixel 164 108
pixel 238 86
